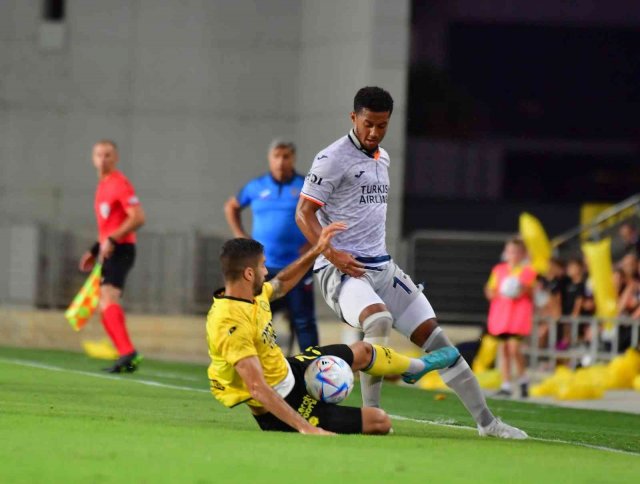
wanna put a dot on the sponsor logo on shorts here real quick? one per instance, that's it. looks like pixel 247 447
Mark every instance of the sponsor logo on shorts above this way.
pixel 306 407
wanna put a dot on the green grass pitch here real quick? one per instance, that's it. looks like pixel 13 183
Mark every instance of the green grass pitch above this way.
pixel 62 420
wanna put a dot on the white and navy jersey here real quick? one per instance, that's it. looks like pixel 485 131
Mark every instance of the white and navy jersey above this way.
pixel 351 186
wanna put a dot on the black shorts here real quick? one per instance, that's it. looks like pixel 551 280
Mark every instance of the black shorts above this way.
pixel 508 336
pixel 116 267
pixel 334 418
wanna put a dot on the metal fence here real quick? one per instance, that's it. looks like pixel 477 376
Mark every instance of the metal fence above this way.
pixel 173 273
pixel 606 224
pixel 590 340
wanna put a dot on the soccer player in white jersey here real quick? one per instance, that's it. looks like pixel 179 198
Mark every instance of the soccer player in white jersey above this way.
pixel 349 182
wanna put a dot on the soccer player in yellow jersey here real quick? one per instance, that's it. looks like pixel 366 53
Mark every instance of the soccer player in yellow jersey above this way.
pixel 247 366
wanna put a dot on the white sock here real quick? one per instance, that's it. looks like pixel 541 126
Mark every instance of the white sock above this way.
pixel 416 365
pixel 376 332
pixel 371 386
pixel 461 380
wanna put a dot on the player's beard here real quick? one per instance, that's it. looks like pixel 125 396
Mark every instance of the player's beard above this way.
pixel 257 286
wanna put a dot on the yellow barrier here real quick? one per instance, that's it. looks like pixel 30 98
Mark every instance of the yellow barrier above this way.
pixel 623 372
pixel 536 240
pixel 486 354
pixel 598 255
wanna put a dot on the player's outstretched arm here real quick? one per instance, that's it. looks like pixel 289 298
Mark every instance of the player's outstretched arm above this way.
pixel 251 373
pixel 288 277
pixel 311 228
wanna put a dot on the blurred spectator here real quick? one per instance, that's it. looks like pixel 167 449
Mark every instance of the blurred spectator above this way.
pixel 630 239
pixel 588 307
pixel 577 300
pixel 618 280
pixel 555 283
pixel 628 300
pixel 635 314
pixel 510 292
pixel 574 291
pixel 627 281
pixel 626 274
pixel 550 306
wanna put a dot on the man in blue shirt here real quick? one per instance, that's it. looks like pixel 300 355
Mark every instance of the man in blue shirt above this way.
pixel 273 198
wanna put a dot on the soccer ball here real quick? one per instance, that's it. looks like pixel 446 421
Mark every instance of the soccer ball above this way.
pixel 510 287
pixel 329 379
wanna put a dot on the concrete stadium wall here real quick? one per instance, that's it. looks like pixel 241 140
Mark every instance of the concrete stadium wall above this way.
pixel 167 337
pixel 344 46
pixel 192 91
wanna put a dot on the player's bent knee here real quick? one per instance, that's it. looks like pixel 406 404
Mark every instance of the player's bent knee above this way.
pixel 371 309
pixel 375 421
pixel 377 324
pixel 421 334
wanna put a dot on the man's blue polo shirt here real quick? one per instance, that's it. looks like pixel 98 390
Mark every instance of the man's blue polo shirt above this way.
pixel 274 225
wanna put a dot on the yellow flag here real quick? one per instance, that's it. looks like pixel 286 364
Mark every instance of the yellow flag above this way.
pixel 86 301
pixel 537 242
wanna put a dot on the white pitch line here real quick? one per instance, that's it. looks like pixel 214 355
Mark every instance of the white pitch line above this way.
pixel 35 364
pixel 173 376
pixel 539 439
pixel 42 366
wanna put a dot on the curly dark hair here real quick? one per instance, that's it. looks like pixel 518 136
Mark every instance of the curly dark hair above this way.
pixel 238 254
pixel 374 99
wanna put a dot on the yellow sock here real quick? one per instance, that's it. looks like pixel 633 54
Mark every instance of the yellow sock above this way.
pixel 388 362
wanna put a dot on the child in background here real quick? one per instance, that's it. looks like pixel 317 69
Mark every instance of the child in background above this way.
pixel 574 299
pixel 553 284
pixel 510 292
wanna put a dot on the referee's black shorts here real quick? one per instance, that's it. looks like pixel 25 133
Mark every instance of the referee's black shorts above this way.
pixel 334 418
pixel 116 267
